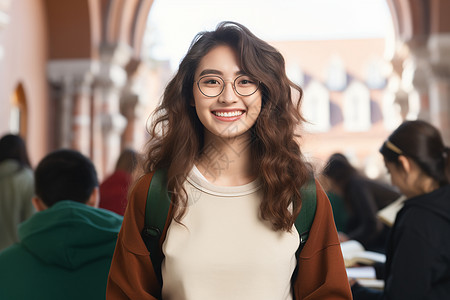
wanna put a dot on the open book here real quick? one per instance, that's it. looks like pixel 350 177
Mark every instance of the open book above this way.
pixel 366 276
pixel 355 254
pixel 388 214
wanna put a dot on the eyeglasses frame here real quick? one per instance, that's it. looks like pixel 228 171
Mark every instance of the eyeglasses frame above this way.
pixel 223 88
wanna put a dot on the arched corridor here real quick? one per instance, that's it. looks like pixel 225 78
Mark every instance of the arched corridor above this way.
pixel 77 65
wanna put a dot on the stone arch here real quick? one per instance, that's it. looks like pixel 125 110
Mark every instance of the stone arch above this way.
pixel 101 41
pixel 124 22
pixel 95 48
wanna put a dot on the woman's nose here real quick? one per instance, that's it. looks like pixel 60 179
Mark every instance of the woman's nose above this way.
pixel 228 94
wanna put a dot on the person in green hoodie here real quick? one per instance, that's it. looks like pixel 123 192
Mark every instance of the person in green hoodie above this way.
pixel 65 249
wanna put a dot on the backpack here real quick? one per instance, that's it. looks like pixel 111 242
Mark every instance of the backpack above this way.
pixel 157 209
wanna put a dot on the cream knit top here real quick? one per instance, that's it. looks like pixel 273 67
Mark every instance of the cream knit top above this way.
pixel 223 250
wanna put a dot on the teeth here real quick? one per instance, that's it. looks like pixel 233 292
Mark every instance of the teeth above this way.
pixel 228 114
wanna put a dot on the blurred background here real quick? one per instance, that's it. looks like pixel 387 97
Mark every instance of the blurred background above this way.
pixel 86 74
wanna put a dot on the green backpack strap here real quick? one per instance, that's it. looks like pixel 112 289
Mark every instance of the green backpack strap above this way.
pixel 156 211
pixel 305 218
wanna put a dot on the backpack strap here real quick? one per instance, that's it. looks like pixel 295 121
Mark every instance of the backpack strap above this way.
pixel 305 218
pixel 156 211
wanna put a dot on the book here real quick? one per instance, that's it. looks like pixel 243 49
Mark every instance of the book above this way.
pixel 354 254
pixel 372 283
pixel 366 276
pixel 388 214
pixel 367 272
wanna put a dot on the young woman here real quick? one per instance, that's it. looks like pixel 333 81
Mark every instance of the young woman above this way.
pixel 225 133
pixel 418 249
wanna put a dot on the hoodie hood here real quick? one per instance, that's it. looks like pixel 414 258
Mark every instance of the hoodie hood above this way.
pixel 8 167
pixel 438 202
pixel 71 234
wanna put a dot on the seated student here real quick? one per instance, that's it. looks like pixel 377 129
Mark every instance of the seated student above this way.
pixel 67 246
pixel 363 197
pixel 418 248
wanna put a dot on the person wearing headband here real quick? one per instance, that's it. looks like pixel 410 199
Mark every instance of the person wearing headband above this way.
pixel 418 248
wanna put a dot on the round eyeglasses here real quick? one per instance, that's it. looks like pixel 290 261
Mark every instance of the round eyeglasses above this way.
pixel 213 85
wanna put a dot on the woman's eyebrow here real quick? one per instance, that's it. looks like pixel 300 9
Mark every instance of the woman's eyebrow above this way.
pixel 217 72
pixel 210 71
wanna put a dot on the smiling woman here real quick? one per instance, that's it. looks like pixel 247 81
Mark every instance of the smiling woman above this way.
pixel 221 106
pixel 234 172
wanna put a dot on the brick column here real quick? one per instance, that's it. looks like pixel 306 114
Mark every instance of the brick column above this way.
pixel 70 82
pixel 108 85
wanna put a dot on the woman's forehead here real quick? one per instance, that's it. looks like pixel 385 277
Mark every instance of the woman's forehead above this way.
pixel 221 60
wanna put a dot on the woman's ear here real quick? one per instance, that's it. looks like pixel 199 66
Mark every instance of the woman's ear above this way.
pixel 406 164
pixel 38 204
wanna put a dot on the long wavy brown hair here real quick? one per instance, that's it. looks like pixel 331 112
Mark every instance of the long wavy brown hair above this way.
pixel 177 135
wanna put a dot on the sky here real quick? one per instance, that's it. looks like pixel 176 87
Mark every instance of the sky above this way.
pixel 172 24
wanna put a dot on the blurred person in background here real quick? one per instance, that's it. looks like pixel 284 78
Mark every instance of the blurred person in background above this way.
pixel 66 248
pixel 16 188
pixel 418 248
pixel 114 189
pixel 363 197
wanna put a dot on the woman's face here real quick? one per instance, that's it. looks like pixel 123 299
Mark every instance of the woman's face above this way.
pixel 229 114
pixel 405 181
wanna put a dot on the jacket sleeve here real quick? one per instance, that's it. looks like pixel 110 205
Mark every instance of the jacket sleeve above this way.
pixel 321 270
pixel 131 275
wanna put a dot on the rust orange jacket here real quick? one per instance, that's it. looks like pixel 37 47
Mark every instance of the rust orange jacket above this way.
pixel 321 271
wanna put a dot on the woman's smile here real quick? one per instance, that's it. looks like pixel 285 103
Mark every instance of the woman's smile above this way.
pixel 228 115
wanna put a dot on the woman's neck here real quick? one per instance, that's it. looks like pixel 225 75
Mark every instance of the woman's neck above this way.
pixel 429 185
pixel 424 184
pixel 227 162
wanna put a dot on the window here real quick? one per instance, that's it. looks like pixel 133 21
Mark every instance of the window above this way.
pixel 374 74
pixel 336 74
pixel 357 107
pixel 316 107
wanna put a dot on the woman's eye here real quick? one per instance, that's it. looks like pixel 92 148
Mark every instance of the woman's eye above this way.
pixel 246 81
pixel 211 81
